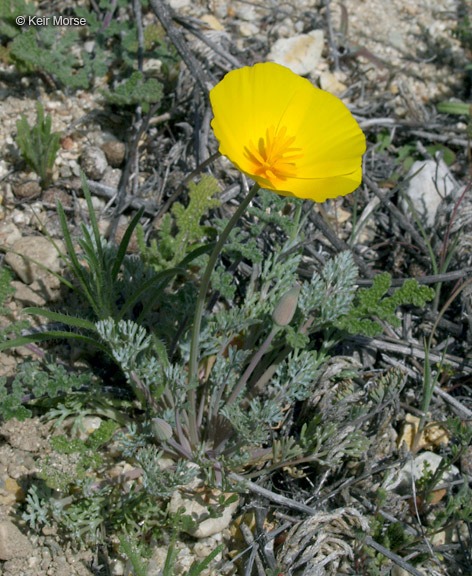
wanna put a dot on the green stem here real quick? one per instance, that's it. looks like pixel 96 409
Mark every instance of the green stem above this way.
pixel 197 320
pixel 296 222
pixel 250 369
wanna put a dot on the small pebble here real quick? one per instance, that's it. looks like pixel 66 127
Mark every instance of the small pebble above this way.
pixel 93 162
pixel 27 190
pixel 52 194
pixel 111 177
pixel 67 143
pixel 115 152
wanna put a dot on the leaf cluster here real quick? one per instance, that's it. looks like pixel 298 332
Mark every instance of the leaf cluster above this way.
pixel 105 280
pixel 330 293
pixel 135 90
pixel 90 501
pixel 86 456
pixel 181 230
pixel 457 509
pixel 35 380
pixel 46 50
pixel 38 145
pixel 271 211
pixel 372 306
pixel 157 480
pixel 9 10
pixel 391 536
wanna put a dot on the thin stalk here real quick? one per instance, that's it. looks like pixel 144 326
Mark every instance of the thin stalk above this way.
pixel 250 369
pixel 449 301
pixel 296 222
pixel 434 263
pixel 442 259
pixel 197 320
pixel 428 386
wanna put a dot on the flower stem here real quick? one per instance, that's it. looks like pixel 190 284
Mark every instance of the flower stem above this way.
pixel 197 320
pixel 250 369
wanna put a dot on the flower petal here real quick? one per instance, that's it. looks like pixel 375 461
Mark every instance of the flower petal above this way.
pixel 320 189
pixel 286 134
pixel 331 139
pixel 247 102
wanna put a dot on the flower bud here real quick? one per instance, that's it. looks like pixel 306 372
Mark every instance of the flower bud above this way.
pixel 161 429
pixel 286 306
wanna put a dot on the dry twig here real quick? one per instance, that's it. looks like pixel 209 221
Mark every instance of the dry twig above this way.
pixel 397 214
pixel 164 14
pixel 409 349
pixel 294 505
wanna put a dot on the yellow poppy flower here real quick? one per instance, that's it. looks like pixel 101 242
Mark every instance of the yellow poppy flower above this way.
pixel 286 134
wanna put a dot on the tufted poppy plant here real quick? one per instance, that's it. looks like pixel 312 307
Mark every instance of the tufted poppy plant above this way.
pixel 286 134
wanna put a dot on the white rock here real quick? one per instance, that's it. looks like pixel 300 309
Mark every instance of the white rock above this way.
pixel 248 29
pixel 179 4
pixel 26 295
pixel 88 425
pixel 206 546
pixel 117 568
pixel 38 218
pixel 9 233
pixel 158 559
pixel 3 168
pixel 37 248
pixel 285 29
pixel 13 544
pixel 212 22
pixel 300 53
pixel 20 217
pixel 74 166
pixel 89 46
pixel 152 65
pixel 196 506
pixel 332 84
pixel 397 39
pixel 414 470
pixel 104 226
pixel 97 203
pixel 220 9
pixel 246 12
pixel 430 181
pixel 111 177
pixel 65 171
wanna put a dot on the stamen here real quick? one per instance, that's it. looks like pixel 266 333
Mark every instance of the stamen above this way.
pixel 273 157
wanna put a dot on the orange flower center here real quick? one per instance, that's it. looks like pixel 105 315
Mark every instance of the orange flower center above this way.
pixel 273 157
